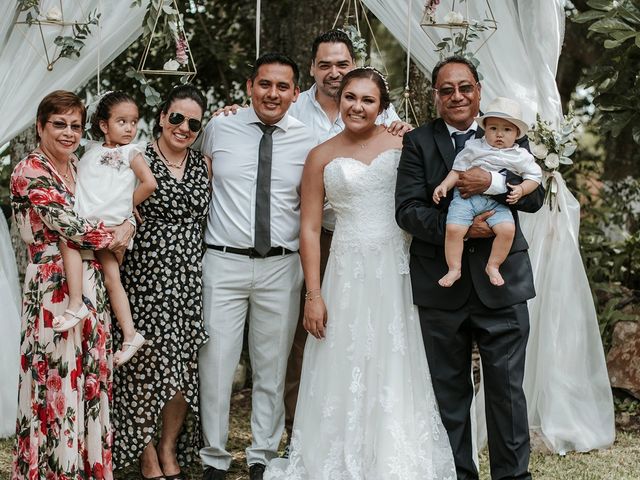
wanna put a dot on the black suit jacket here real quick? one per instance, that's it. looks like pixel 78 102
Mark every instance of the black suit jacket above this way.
pixel 427 157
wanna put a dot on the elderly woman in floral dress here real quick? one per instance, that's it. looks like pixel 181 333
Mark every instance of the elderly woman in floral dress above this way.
pixel 63 425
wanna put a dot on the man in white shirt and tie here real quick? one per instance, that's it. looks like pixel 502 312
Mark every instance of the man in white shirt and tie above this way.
pixel 252 262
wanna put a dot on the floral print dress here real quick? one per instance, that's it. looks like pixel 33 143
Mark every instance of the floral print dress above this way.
pixel 63 426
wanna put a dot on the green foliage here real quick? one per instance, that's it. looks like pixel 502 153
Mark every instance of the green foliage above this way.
pixel 615 77
pixel 221 39
pixel 609 239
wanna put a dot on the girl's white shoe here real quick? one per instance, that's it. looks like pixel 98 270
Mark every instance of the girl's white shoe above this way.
pixel 129 349
pixel 62 323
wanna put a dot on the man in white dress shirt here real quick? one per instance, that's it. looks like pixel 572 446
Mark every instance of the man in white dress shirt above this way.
pixel 244 270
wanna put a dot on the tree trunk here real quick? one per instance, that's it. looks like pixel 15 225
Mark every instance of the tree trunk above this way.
pixel 19 148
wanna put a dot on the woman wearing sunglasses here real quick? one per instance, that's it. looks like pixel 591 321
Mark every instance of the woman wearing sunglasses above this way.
pixel 63 424
pixel 156 392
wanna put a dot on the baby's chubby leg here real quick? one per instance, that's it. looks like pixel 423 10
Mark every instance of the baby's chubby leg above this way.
pixel 499 251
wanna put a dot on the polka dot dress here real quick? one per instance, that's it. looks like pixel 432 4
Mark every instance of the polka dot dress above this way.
pixel 162 276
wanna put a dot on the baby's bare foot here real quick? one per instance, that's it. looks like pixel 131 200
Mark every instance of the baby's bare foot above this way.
pixel 450 278
pixel 494 276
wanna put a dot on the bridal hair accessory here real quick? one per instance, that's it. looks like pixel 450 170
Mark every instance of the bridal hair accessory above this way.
pixel 379 73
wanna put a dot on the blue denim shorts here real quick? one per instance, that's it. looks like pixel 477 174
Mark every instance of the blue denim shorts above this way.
pixel 463 210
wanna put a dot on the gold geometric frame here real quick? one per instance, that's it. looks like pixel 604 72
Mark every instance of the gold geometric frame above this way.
pixel 429 22
pixel 46 22
pixel 191 66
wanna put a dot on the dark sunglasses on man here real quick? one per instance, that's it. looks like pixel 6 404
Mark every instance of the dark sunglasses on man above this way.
pixel 176 118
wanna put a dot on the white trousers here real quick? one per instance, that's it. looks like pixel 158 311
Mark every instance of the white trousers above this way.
pixel 270 289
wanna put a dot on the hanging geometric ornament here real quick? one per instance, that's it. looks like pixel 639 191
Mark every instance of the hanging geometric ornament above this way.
pixel 167 51
pixel 355 9
pixel 452 31
pixel 62 35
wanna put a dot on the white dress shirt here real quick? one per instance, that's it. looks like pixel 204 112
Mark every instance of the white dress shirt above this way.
pixel 307 109
pixel 478 153
pixel 232 142
pixel 498 181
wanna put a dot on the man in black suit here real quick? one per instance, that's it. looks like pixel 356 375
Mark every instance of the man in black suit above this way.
pixel 473 309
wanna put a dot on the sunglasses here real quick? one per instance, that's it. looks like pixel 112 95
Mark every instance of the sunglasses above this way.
pixel 176 118
pixel 60 125
pixel 463 89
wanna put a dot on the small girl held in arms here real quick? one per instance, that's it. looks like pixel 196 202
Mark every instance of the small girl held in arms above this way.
pixel 496 152
pixel 106 191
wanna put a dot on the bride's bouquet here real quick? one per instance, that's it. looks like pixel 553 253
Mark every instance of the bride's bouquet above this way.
pixel 552 148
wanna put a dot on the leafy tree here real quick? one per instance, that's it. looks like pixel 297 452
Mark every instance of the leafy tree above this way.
pixel 615 80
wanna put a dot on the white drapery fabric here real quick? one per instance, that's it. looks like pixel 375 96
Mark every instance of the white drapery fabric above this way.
pixel 24 78
pixel 569 399
pixel 10 338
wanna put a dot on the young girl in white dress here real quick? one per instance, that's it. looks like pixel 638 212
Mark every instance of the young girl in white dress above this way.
pixel 113 178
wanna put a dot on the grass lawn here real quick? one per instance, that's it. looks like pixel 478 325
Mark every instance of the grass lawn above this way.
pixel 621 462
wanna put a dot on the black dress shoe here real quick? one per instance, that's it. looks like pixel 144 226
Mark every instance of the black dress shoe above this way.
pixel 211 473
pixel 256 471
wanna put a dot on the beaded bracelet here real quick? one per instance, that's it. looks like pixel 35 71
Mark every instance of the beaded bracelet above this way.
pixel 309 294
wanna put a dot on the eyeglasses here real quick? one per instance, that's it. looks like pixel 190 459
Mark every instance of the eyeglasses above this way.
pixel 463 89
pixel 176 118
pixel 60 125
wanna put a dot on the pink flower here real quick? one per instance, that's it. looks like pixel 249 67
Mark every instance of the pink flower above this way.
pixel 19 184
pixel 91 387
pixel 60 403
pixel 54 381
pixel 42 369
pixel 48 270
pixel 40 196
pixel 181 51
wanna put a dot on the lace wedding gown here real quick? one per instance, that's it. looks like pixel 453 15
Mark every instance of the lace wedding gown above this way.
pixel 366 408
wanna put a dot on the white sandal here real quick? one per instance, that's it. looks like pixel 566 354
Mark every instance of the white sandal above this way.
pixel 129 349
pixel 62 323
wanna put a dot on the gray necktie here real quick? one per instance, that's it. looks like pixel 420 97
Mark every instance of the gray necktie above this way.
pixel 262 242
pixel 460 139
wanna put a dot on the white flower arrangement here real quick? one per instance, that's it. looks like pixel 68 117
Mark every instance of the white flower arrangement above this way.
pixel 552 148
pixel 171 65
pixel 54 14
pixel 454 18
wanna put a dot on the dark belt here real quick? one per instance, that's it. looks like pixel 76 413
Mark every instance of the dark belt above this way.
pixel 251 252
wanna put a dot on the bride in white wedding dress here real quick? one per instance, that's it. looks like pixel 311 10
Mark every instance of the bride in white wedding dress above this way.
pixel 366 408
pixel 10 338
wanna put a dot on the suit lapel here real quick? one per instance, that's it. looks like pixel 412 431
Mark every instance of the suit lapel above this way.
pixel 444 143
